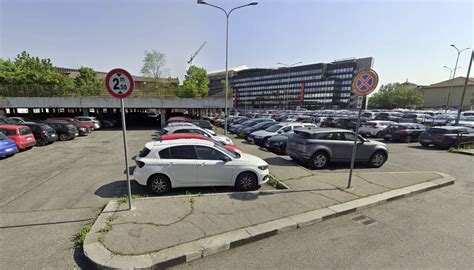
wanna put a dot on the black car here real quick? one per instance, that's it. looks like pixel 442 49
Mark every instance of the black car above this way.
pixel 65 130
pixel 446 136
pixel 346 123
pixel 277 144
pixel 328 122
pixel 405 132
pixel 43 133
pixel 200 123
pixel 260 126
pixel 388 116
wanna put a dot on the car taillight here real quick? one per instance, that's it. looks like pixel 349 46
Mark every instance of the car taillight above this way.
pixel 139 163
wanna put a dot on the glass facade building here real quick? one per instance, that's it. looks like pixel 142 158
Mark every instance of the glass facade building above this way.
pixel 314 86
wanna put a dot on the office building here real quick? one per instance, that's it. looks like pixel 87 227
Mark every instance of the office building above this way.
pixel 313 86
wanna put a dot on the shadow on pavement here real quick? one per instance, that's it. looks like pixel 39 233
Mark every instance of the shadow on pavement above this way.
pixel 244 196
pixel 81 260
pixel 430 148
pixel 118 189
pixel 279 161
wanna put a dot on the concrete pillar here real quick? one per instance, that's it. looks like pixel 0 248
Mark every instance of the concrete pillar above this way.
pixel 85 111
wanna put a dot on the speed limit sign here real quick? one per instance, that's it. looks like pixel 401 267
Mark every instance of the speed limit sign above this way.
pixel 119 83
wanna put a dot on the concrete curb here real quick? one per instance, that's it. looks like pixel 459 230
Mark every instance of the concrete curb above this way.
pixel 102 258
pixel 464 153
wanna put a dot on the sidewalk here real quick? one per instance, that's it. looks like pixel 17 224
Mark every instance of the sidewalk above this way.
pixel 165 231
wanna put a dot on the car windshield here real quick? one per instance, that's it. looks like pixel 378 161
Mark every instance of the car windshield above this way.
pixel 25 131
pixel 274 128
pixel 223 149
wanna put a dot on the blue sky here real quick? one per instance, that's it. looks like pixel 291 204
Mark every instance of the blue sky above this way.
pixel 409 39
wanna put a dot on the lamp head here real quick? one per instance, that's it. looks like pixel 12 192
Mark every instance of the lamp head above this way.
pixel 201 2
pixel 253 4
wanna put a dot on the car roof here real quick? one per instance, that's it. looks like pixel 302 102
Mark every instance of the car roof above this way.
pixel 322 130
pixel 176 136
pixel 449 127
pixel 151 145
pixel 12 126
pixel 33 124
pixel 181 127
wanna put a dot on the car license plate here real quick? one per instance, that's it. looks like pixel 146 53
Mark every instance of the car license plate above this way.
pixel 53 135
pixel 76 134
pixel 29 139
pixel 9 149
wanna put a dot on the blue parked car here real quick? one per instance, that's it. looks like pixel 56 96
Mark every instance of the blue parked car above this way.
pixel 7 147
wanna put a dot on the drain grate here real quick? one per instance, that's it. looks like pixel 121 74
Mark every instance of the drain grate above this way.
pixel 364 220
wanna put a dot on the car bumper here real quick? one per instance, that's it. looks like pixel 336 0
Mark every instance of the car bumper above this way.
pixel 259 141
pixel 277 149
pixel 27 144
pixel 10 150
pixel 263 176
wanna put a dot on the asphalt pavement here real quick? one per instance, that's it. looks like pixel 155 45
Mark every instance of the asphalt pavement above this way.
pixel 427 231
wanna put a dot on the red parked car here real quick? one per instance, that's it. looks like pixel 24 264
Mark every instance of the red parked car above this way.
pixel 21 135
pixel 82 127
pixel 176 136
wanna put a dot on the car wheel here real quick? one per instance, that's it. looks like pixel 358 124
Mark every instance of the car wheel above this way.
pixel 159 184
pixel 246 181
pixel 408 139
pixel 377 159
pixel 379 134
pixel 319 160
pixel 62 137
pixel 40 142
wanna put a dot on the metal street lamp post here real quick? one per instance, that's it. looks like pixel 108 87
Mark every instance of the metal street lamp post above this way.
pixel 454 73
pixel 450 70
pixel 288 83
pixel 464 89
pixel 227 14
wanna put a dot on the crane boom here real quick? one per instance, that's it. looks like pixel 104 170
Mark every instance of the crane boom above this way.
pixel 194 55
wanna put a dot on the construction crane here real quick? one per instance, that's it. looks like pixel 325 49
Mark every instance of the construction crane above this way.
pixel 194 55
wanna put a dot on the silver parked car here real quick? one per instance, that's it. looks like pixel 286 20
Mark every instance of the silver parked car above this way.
pixel 319 146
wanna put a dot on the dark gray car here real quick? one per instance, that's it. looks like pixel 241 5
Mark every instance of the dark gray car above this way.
pixel 319 146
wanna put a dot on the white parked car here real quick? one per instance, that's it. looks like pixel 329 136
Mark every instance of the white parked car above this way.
pixel 196 163
pixel 186 124
pixel 259 137
pixel 88 119
pixel 195 129
pixel 374 128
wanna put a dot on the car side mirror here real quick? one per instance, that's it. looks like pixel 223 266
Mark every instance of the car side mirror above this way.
pixel 225 159
pixel 280 132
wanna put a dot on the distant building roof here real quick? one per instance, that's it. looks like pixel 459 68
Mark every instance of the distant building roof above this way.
pixel 458 81
pixel 73 73
pixel 409 84
pixel 222 71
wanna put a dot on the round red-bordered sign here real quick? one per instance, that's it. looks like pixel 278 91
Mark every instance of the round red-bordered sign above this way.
pixel 119 83
pixel 365 82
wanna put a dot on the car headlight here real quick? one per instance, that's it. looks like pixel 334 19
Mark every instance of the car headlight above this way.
pixel 263 167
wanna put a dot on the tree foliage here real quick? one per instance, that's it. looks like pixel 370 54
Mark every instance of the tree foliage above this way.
pixel 153 64
pixel 87 82
pixel 195 84
pixel 395 95
pixel 27 75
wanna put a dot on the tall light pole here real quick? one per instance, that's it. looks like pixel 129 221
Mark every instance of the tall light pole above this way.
pixel 464 89
pixel 227 14
pixel 454 72
pixel 450 70
pixel 288 84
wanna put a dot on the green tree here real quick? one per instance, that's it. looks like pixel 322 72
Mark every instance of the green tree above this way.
pixel 195 84
pixel 153 66
pixel 395 95
pixel 28 75
pixel 87 82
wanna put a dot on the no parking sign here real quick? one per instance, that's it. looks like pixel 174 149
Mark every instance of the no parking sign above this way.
pixel 363 84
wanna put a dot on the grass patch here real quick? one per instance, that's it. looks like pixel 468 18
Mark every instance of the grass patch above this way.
pixel 80 236
pixel 124 199
pixel 274 182
pixel 465 146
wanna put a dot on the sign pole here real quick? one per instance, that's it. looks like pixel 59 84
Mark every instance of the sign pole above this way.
pixel 363 84
pixel 125 149
pixel 354 148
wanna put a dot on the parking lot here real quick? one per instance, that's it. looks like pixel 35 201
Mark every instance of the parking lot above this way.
pixel 48 193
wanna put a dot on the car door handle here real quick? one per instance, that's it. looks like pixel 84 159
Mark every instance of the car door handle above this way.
pixel 171 164
pixel 203 164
